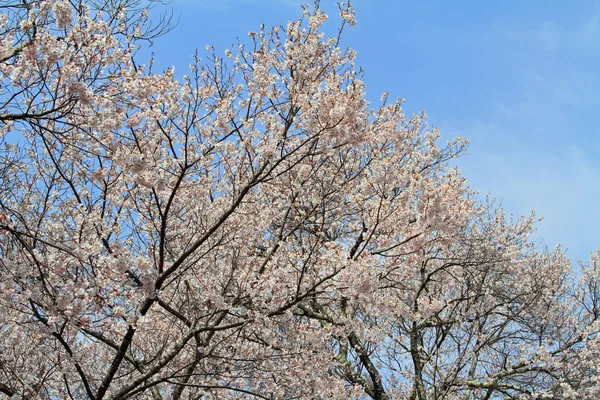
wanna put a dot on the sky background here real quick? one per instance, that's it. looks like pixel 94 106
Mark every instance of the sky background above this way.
pixel 519 79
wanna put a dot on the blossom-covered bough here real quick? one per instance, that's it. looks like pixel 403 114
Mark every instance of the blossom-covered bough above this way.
pixel 255 230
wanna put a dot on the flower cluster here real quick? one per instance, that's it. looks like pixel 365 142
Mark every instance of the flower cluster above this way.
pixel 257 229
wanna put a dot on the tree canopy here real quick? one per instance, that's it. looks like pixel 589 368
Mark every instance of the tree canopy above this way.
pixel 256 229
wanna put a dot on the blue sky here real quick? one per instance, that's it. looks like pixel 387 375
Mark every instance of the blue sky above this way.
pixel 520 80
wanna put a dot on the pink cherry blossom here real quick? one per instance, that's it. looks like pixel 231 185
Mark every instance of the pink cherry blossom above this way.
pixel 257 230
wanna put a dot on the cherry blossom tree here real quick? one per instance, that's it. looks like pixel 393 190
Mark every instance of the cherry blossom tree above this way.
pixel 256 230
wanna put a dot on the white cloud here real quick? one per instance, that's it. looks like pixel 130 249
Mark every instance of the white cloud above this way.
pixel 563 185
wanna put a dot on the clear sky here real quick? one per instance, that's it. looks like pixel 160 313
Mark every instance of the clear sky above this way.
pixel 519 79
